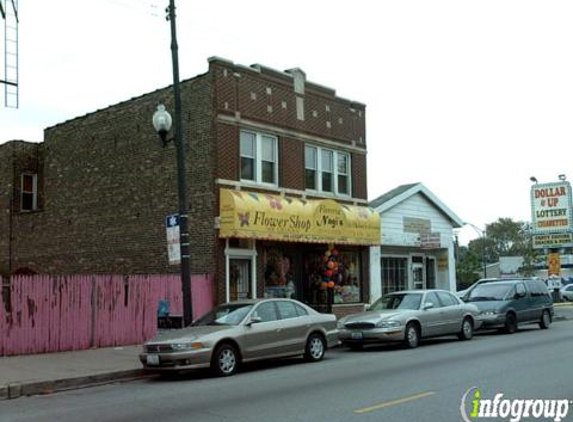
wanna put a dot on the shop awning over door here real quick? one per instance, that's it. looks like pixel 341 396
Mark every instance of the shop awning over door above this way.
pixel 261 216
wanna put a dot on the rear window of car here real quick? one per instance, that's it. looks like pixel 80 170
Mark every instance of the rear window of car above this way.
pixel 300 310
pixel 448 299
pixel 287 310
pixel 537 288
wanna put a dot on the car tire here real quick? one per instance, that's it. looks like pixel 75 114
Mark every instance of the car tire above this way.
pixel 510 323
pixel 315 348
pixel 225 360
pixel 411 336
pixel 467 331
pixel 545 320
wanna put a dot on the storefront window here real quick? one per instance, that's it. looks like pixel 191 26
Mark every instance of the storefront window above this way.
pixel 394 274
pixel 334 272
pixel 279 279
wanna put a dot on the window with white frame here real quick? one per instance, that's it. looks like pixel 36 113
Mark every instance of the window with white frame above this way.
pixel 259 157
pixel 29 192
pixel 327 170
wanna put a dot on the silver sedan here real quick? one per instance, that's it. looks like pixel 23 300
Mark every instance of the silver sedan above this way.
pixel 409 316
pixel 567 292
pixel 240 332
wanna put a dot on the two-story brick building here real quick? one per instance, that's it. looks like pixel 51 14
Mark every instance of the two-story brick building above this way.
pixel 276 176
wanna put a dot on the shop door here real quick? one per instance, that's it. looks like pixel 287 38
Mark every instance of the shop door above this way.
pixel 418 279
pixel 239 279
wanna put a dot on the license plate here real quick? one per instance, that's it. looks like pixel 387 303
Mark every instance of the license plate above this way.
pixel 153 359
pixel 356 336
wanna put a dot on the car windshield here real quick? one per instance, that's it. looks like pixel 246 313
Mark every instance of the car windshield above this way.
pixel 398 301
pixel 229 314
pixel 489 291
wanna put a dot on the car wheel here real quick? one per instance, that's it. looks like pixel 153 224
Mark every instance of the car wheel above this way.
pixel 467 331
pixel 545 320
pixel 315 348
pixel 225 360
pixel 412 336
pixel 510 323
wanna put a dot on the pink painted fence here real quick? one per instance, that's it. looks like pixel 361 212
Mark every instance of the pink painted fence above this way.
pixel 58 313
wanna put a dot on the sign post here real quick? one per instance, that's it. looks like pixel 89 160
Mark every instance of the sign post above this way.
pixel 173 245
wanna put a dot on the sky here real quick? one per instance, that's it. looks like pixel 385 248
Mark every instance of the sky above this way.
pixel 471 98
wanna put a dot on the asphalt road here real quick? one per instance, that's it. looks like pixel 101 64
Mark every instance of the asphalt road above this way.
pixel 377 384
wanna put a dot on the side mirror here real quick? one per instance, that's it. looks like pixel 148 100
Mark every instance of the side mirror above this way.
pixel 428 305
pixel 519 295
pixel 254 319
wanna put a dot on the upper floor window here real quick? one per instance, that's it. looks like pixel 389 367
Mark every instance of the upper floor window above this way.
pixel 29 192
pixel 327 170
pixel 259 158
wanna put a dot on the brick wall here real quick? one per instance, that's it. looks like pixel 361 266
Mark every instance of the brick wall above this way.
pixel 108 186
pixel 291 163
pixel 359 186
pixel 16 158
pixel 266 95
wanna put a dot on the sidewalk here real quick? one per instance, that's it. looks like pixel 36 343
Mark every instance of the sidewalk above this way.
pixel 46 373
pixel 50 372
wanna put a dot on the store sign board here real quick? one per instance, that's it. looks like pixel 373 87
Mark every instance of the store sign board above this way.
pixel 443 262
pixel 551 208
pixel 430 241
pixel 262 216
pixel 416 225
pixel 555 240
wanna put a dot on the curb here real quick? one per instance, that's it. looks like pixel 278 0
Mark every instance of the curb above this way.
pixel 15 390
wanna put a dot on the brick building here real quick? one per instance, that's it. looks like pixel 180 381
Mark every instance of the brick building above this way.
pixel 276 176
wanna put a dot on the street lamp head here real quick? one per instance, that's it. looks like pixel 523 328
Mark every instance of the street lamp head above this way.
pixel 162 122
pixel 533 179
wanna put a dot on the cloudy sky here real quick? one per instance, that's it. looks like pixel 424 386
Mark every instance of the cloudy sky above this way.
pixel 470 98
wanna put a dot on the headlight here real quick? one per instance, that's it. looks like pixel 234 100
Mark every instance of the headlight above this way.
pixel 181 347
pixel 388 324
pixel 488 313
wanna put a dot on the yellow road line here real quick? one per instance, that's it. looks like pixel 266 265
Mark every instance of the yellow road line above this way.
pixel 394 402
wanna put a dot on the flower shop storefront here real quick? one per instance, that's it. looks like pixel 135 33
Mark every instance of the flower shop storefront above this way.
pixel 315 251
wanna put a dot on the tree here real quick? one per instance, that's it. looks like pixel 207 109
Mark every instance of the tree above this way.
pixel 468 267
pixel 504 237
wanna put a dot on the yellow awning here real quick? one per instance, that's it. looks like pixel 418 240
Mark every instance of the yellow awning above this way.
pixel 261 216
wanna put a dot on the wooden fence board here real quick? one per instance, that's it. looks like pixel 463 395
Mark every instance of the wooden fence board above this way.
pixel 59 313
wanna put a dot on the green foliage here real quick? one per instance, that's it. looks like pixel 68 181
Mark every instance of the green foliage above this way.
pixel 503 237
pixel 468 267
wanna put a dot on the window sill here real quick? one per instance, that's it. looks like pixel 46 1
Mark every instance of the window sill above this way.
pixel 24 212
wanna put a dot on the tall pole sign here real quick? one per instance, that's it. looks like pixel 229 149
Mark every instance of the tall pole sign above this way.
pixel 552 215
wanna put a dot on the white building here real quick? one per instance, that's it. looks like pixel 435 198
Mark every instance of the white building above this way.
pixel 417 242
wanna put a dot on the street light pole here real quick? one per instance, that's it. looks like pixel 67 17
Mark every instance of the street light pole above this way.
pixel 181 177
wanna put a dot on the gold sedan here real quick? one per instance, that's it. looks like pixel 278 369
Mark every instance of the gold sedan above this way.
pixel 238 332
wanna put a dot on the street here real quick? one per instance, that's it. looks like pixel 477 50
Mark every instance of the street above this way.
pixel 378 384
